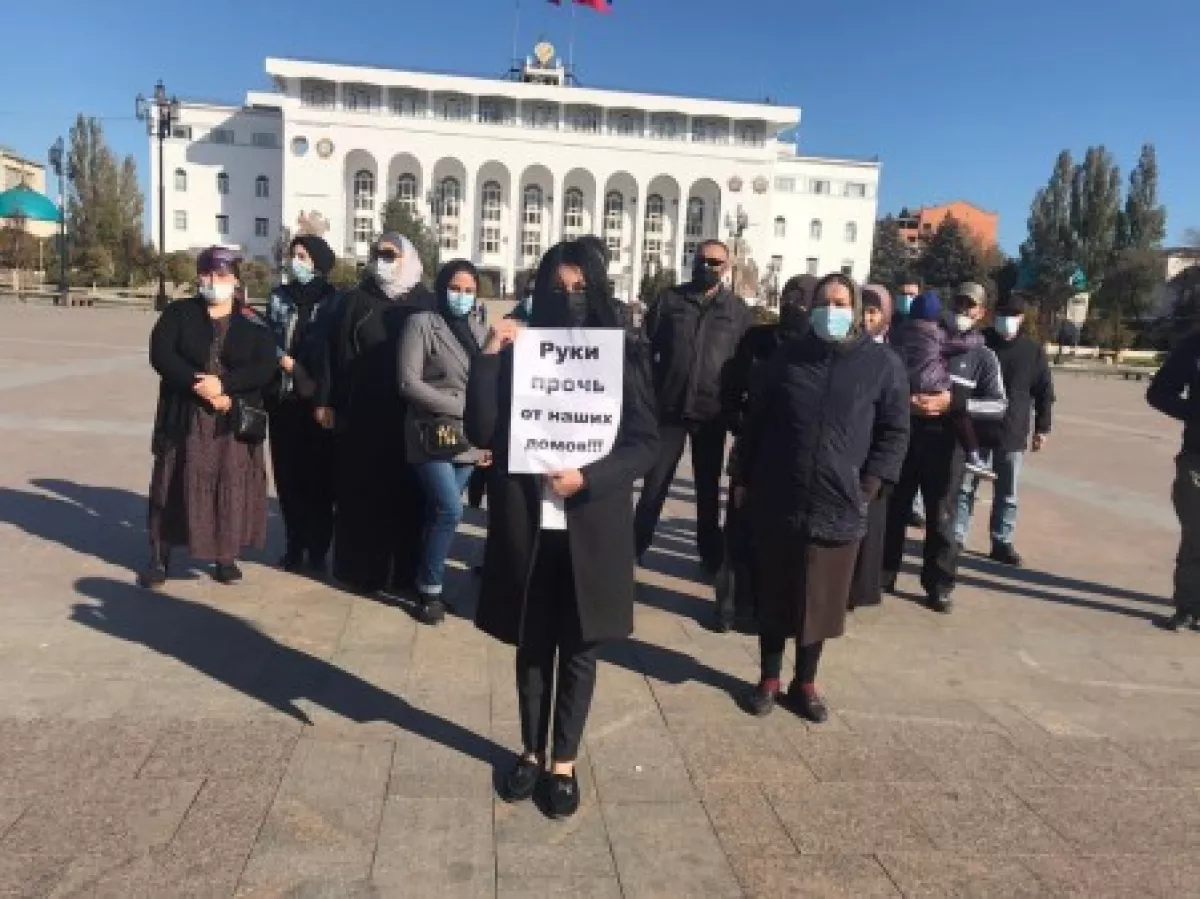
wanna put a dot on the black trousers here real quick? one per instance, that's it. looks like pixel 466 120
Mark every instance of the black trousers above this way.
pixel 867 587
pixel 708 460
pixel 302 462
pixel 934 465
pixel 770 651
pixel 551 628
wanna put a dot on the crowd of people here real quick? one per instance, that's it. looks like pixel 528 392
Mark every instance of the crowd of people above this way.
pixel 383 404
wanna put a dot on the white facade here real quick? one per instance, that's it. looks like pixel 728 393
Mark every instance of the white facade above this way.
pixel 505 168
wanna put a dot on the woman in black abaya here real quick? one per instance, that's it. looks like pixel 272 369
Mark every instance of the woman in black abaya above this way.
pixel 380 507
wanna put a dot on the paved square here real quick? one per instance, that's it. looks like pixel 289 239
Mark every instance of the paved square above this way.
pixel 282 738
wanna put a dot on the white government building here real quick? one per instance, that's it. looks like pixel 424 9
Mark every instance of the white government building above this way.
pixel 504 168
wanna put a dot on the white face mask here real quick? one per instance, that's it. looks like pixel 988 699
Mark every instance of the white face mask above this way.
pixel 216 294
pixel 964 323
pixel 1008 325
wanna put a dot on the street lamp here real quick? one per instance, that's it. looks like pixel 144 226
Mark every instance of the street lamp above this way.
pixel 57 164
pixel 159 114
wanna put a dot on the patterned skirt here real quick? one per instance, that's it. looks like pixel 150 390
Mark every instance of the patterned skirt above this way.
pixel 208 492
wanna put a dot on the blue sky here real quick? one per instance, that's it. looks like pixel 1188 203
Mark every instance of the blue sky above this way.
pixel 959 98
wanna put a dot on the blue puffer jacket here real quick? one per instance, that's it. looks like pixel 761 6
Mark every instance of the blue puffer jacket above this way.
pixel 828 424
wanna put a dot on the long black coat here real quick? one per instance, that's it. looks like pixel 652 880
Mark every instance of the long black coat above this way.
pixel 379 502
pixel 827 427
pixel 180 345
pixel 599 518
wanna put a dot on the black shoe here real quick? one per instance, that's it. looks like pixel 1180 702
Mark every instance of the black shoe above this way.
pixel 433 610
pixel 226 574
pixel 888 584
pixel 153 577
pixel 1005 555
pixel 562 797
pixel 759 701
pixel 293 560
pixel 317 566
pixel 916 520
pixel 941 601
pixel 521 782
pixel 1181 620
pixel 811 708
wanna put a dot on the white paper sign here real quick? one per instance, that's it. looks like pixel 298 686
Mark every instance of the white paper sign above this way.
pixel 566 405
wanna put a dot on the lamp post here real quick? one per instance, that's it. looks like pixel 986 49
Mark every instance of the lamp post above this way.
pixel 57 163
pixel 159 114
pixel 737 225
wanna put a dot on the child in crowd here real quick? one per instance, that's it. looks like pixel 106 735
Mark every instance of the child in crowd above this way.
pixel 924 343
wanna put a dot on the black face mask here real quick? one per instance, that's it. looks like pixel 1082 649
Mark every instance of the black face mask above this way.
pixel 793 320
pixel 561 309
pixel 705 277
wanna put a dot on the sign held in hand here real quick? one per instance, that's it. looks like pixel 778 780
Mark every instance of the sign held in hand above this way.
pixel 567 390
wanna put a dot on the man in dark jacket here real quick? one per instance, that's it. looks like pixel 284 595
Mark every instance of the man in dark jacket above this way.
pixel 935 463
pixel 1030 389
pixel 693 333
pixel 1175 391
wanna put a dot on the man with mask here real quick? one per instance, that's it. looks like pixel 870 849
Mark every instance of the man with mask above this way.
pixel 693 332
pixel 1175 392
pixel 935 462
pixel 1030 389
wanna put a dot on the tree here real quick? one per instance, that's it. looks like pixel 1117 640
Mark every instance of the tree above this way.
pixel 890 256
pixel 951 257
pixel 397 217
pixel 1046 255
pixel 1143 224
pixel 104 207
pixel 257 279
pixel 1095 210
pixel 344 275
pixel 655 284
pixel 180 267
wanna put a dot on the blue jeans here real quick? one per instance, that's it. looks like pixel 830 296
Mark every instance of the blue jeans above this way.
pixel 443 483
pixel 1004 497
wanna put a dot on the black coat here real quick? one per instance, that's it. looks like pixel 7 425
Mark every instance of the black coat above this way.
pixel 1175 390
pixel 599 518
pixel 180 345
pixel 828 425
pixel 1030 388
pixel 692 343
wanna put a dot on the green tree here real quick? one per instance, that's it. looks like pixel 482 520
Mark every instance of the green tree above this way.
pixel 890 255
pixel 181 267
pixel 1095 210
pixel 398 218
pixel 257 279
pixel 104 207
pixel 1143 223
pixel 1047 252
pixel 344 275
pixel 951 257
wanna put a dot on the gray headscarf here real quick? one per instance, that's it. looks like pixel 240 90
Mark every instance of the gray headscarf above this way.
pixel 410 266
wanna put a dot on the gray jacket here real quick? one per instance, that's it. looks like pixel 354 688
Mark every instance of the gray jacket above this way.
pixel 433 377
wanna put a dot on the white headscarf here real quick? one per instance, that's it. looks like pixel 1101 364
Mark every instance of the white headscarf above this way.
pixel 410 265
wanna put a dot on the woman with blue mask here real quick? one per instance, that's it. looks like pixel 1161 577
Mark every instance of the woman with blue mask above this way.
pixel 301 450
pixel 827 428
pixel 436 352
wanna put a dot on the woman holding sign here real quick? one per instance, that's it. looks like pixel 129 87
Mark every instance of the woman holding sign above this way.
pixel 559 563
pixel 436 351
pixel 827 428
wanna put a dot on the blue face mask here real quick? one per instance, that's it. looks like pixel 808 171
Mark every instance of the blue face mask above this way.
pixel 904 303
pixel 527 303
pixel 459 302
pixel 302 271
pixel 1008 325
pixel 831 322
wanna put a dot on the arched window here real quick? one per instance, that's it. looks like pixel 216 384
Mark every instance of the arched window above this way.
pixel 262 187
pixel 573 213
pixel 654 229
pixel 614 224
pixel 364 191
pixel 180 180
pixel 406 192
pixel 490 213
pixel 693 230
pixel 448 208
pixel 851 232
pixel 222 183
pixel 780 226
pixel 532 209
pixel 814 229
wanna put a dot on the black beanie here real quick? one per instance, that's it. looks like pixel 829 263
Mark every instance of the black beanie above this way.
pixel 318 251
pixel 1013 304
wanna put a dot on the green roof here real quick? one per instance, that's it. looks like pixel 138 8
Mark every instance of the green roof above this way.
pixel 25 202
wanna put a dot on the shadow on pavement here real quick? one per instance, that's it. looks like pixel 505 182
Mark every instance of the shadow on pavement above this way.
pixel 235 653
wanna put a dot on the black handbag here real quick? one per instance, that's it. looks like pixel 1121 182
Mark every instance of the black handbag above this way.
pixel 249 421
pixel 441 438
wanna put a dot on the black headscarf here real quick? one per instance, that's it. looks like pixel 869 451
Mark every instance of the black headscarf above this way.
pixel 305 296
pixel 549 300
pixel 460 325
pixel 795 302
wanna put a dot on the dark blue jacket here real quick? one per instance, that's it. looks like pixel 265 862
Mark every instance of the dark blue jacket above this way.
pixel 828 424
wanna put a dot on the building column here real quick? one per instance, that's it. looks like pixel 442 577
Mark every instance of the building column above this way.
pixel 466 216
pixel 556 208
pixel 636 222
